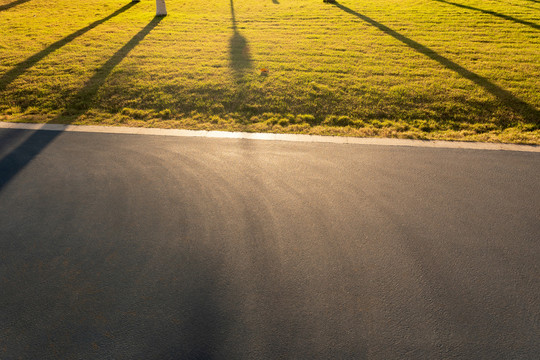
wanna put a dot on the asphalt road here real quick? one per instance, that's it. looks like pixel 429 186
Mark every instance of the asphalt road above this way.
pixel 155 247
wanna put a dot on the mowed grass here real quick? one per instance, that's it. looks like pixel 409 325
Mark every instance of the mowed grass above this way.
pixel 428 69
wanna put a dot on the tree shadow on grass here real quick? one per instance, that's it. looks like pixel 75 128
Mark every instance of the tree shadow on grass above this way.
pixel 528 112
pixel 240 57
pixel 12 4
pixel 502 16
pixel 16 160
pixel 509 2
pixel 19 69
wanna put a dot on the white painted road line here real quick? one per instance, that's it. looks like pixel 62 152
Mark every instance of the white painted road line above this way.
pixel 271 136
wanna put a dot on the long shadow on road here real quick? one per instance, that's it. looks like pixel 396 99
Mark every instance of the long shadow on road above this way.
pixel 15 161
pixel 527 111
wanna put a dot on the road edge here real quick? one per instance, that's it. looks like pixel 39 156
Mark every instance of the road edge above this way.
pixel 272 137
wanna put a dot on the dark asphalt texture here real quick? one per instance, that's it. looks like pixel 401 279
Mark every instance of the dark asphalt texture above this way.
pixel 155 247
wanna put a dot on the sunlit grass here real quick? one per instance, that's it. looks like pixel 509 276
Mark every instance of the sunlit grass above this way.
pixel 432 69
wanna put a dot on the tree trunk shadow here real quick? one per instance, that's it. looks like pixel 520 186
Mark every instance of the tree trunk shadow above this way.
pixel 19 69
pixel 12 4
pixel 489 12
pixel 528 112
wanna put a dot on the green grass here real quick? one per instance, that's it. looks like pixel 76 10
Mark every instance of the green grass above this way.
pixel 428 69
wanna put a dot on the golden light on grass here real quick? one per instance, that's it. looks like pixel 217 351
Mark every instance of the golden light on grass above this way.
pixel 433 69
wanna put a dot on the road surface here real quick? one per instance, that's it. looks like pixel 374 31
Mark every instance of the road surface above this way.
pixel 156 247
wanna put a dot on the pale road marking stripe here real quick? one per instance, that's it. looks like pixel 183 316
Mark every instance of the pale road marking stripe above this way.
pixel 271 136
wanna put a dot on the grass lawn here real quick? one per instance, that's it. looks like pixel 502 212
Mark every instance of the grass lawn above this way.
pixel 428 69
